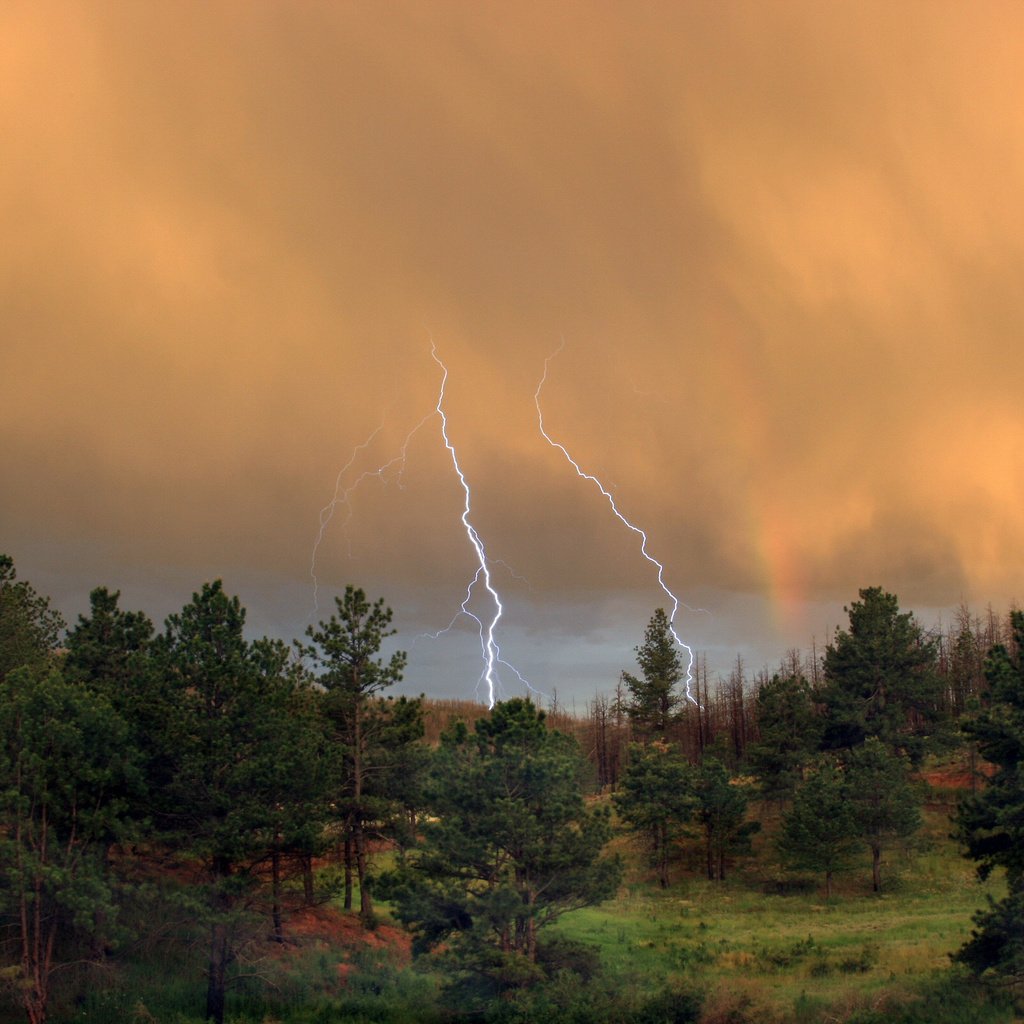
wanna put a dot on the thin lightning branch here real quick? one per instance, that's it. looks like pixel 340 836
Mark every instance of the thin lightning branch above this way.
pixel 512 572
pixel 489 648
pixel 327 513
pixel 636 529
pixel 342 498
pixel 465 610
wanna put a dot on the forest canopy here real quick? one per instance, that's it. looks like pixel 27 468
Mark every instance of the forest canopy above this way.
pixel 195 773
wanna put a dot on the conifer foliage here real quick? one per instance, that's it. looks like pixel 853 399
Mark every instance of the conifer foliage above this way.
pixel 990 823
pixel 722 816
pixel 883 802
pixel 790 731
pixel 510 847
pixel 881 680
pixel 224 766
pixel 229 751
pixel 657 799
pixel 29 627
pixel 818 832
pixel 64 761
pixel 346 651
pixel 654 702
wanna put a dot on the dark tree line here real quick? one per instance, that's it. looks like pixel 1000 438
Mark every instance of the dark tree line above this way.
pixel 232 767
pixel 752 720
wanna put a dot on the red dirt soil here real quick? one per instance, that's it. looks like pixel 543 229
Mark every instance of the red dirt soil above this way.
pixel 957 777
pixel 326 927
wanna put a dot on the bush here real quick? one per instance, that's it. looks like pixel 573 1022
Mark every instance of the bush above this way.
pixel 557 953
pixel 862 962
pixel 780 958
pixel 669 1007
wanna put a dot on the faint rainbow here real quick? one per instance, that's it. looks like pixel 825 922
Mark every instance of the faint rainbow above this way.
pixel 738 376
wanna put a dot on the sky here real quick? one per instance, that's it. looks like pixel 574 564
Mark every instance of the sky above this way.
pixel 773 253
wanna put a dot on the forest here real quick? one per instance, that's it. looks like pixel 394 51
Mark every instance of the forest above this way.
pixel 196 825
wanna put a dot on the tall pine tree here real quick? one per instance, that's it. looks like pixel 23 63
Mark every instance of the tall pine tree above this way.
pixel 653 700
pixel 225 764
pixel 345 652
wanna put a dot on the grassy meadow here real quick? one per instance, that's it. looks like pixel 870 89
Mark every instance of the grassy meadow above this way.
pixel 765 945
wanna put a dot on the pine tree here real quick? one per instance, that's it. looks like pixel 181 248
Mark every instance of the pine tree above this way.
pixel 346 650
pixel 654 703
pixel 721 811
pixel 819 833
pixel 880 679
pixel 109 649
pixel 109 652
pixel 510 847
pixel 29 628
pixel 884 805
pixel 227 759
pixel 656 799
pixel 65 760
pixel 790 732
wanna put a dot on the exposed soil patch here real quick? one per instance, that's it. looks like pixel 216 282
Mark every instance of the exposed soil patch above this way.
pixel 957 776
pixel 341 935
pixel 336 929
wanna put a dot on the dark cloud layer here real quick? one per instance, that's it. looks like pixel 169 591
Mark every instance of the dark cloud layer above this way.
pixel 781 244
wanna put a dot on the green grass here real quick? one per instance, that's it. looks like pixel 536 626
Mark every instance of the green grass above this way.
pixel 791 956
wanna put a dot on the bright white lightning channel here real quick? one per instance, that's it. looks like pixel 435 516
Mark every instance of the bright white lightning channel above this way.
pixel 636 529
pixel 489 648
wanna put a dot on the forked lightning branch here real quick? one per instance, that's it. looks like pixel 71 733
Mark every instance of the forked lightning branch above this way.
pixel 483 579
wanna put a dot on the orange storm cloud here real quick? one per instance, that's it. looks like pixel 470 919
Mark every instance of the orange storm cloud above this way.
pixel 781 244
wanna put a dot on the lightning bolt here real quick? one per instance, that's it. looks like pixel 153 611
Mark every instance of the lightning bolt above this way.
pixel 489 648
pixel 618 515
pixel 340 497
